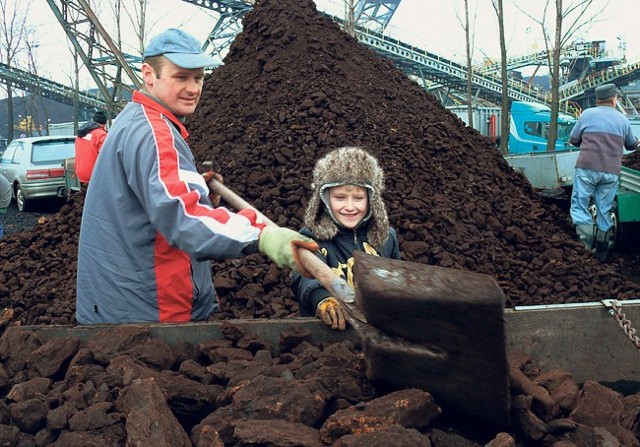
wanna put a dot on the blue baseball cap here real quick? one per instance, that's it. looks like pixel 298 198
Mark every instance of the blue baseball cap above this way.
pixel 179 47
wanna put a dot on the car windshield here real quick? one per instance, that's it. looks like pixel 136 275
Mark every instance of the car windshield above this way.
pixel 50 152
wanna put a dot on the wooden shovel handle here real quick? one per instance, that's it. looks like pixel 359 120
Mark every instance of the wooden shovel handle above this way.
pixel 314 265
pixel 233 199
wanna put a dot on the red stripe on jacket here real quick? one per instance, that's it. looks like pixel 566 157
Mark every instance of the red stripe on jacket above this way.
pixel 172 265
pixel 173 279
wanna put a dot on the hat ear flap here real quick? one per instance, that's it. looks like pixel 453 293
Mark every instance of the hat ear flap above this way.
pixel 317 220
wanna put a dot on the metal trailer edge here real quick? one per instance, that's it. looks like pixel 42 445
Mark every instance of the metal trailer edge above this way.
pixel 593 341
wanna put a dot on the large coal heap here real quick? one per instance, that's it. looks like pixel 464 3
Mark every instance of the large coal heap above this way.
pixel 292 88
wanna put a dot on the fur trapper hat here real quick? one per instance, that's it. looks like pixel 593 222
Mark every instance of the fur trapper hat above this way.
pixel 348 166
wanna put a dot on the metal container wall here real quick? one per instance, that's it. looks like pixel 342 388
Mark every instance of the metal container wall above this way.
pixel 481 118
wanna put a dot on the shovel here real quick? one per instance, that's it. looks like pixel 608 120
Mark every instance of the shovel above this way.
pixel 436 329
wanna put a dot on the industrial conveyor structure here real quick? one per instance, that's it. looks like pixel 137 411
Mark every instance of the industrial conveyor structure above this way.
pixel 622 74
pixel 111 70
pixel 423 64
pixel 587 67
pixel 513 63
pixel 43 87
pixel 370 14
pixel 110 67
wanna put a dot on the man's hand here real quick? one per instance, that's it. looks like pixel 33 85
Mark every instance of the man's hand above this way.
pixel 281 246
pixel 213 196
pixel 331 313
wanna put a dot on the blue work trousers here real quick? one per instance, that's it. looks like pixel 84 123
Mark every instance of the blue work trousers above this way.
pixel 602 186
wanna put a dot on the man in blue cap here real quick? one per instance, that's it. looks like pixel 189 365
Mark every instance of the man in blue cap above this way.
pixel 149 228
pixel 601 132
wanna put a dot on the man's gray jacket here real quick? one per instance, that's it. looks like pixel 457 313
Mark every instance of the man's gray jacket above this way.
pixel 148 227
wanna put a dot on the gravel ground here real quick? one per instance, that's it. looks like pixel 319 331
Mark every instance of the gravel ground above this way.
pixel 15 221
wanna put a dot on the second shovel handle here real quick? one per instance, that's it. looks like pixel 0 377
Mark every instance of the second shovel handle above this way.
pixel 233 199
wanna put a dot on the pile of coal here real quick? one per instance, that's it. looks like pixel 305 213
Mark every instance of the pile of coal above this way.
pixel 124 387
pixel 294 87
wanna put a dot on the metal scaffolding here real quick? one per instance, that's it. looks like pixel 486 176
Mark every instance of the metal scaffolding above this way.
pixel 114 72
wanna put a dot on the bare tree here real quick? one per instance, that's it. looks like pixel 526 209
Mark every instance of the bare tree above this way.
pixel 138 17
pixel 570 16
pixel 506 105
pixel 555 80
pixel 469 52
pixel 75 81
pixel 350 17
pixel 12 39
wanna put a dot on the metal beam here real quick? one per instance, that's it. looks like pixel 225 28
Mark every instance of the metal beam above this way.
pixel 47 88
pixel 228 26
pixel 375 14
pixel 115 51
pixel 64 19
pixel 86 34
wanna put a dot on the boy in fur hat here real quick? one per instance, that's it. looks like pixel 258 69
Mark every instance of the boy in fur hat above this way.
pixel 345 213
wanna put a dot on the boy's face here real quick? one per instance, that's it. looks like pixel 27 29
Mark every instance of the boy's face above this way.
pixel 178 88
pixel 349 204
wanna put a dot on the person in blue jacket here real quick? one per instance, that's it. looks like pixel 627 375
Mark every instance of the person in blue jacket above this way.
pixel 345 213
pixel 149 228
pixel 601 133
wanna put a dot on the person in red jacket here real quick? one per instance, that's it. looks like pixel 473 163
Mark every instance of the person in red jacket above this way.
pixel 88 144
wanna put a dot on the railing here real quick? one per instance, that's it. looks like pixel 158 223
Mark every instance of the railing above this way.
pixel 514 62
pixel 47 88
pixel 442 67
pixel 610 74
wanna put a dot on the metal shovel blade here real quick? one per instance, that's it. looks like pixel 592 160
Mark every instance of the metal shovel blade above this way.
pixel 452 322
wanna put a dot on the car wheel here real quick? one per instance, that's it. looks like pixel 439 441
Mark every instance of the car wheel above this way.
pixel 21 202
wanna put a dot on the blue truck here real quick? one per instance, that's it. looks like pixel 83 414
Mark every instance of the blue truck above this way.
pixel 528 130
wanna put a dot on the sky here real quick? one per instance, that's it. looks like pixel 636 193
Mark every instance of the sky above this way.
pixel 429 24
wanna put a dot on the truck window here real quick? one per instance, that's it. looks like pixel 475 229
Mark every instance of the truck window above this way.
pixel 535 128
pixel 564 130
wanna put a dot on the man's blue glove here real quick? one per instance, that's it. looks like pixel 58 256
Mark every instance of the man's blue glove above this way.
pixel 281 246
